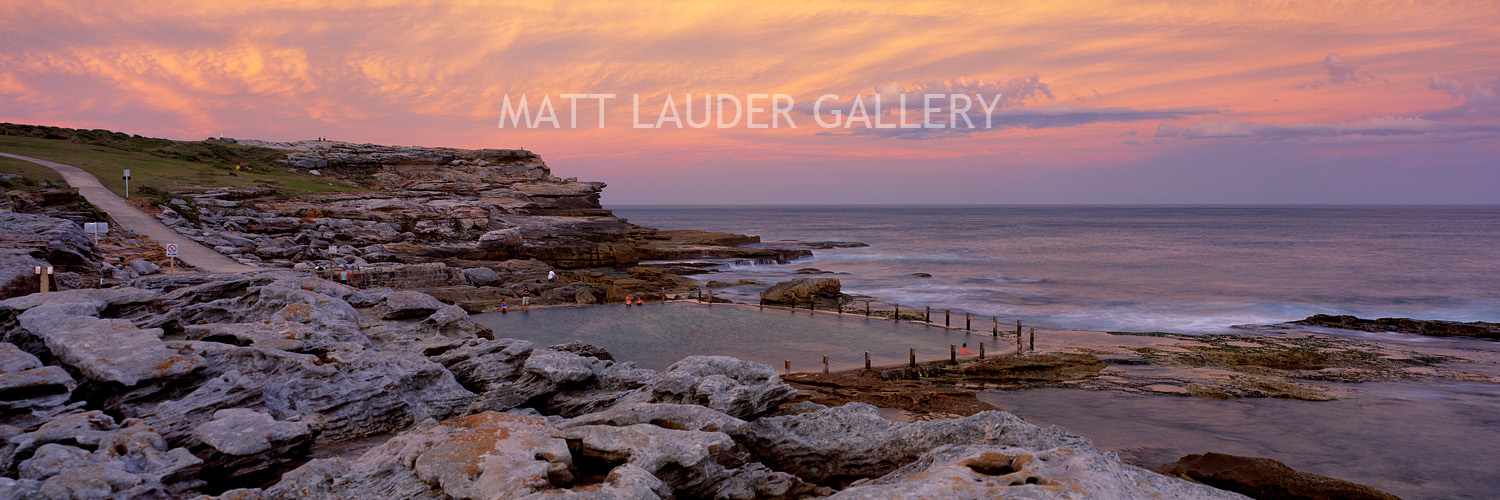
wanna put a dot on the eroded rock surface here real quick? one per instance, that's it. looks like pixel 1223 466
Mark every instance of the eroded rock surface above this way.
pixel 278 385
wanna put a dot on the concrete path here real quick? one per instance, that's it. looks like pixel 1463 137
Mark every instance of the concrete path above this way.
pixel 134 219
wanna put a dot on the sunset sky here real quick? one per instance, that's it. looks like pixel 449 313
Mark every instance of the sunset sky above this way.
pixel 1103 102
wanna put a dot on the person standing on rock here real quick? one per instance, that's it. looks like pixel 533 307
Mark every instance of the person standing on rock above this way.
pixel 525 297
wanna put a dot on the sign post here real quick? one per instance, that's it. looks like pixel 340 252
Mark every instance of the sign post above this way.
pixel 127 183
pixel 172 255
pixel 45 273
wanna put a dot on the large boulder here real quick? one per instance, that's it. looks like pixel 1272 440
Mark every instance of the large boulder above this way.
pixel 845 443
pixel 740 388
pixel 408 304
pixel 110 351
pixel 143 268
pixel 482 276
pixel 501 238
pixel 246 447
pixel 954 472
pixel 801 290
pixel 1266 479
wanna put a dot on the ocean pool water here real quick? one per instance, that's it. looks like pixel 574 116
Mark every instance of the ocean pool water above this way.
pixel 659 334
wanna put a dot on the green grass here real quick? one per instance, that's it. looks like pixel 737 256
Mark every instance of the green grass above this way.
pixel 29 169
pixel 160 163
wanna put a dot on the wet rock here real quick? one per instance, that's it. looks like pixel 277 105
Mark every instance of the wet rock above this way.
pixel 845 443
pixel 1405 325
pixel 409 304
pixel 1043 366
pixel 1266 479
pixel 967 471
pixel 801 290
pixel 736 387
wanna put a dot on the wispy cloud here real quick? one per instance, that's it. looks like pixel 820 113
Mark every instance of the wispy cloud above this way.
pixel 1377 128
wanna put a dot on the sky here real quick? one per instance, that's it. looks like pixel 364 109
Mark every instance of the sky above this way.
pixel 1172 102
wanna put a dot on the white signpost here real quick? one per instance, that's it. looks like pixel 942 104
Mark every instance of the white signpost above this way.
pixel 96 228
pixel 127 183
pixel 172 255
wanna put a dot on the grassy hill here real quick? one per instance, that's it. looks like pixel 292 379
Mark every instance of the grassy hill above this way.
pixel 163 164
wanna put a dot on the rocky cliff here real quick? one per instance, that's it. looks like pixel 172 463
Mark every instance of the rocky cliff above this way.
pixel 279 385
pixel 431 205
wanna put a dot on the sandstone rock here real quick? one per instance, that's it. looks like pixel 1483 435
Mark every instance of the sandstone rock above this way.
pixel 501 238
pixel 584 349
pixel 966 471
pixel 246 447
pixel 482 276
pixel 128 461
pixel 343 394
pixel 143 268
pixel 238 431
pixel 64 243
pixel 452 321
pixel 801 290
pixel 409 304
pixel 736 387
pixel 1266 479
pixel 853 441
pixel 104 350
pixel 667 415
pixel 489 455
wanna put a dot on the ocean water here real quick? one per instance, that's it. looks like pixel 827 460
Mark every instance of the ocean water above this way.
pixel 1175 269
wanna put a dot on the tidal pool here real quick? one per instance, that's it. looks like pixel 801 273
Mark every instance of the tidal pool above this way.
pixel 1415 440
pixel 657 335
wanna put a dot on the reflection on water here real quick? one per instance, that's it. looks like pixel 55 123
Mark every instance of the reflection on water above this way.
pixel 1414 440
pixel 657 335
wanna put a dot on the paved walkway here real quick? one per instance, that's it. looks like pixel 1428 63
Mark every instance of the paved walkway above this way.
pixel 134 219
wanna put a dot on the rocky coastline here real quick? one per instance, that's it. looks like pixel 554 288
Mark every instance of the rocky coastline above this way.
pixel 282 385
pixel 349 368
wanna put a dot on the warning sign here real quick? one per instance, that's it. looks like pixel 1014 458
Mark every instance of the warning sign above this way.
pixel 171 249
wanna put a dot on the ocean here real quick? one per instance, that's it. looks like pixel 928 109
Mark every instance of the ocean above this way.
pixel 1181 269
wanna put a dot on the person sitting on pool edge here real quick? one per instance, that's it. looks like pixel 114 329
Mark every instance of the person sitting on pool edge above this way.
pixel 964 351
